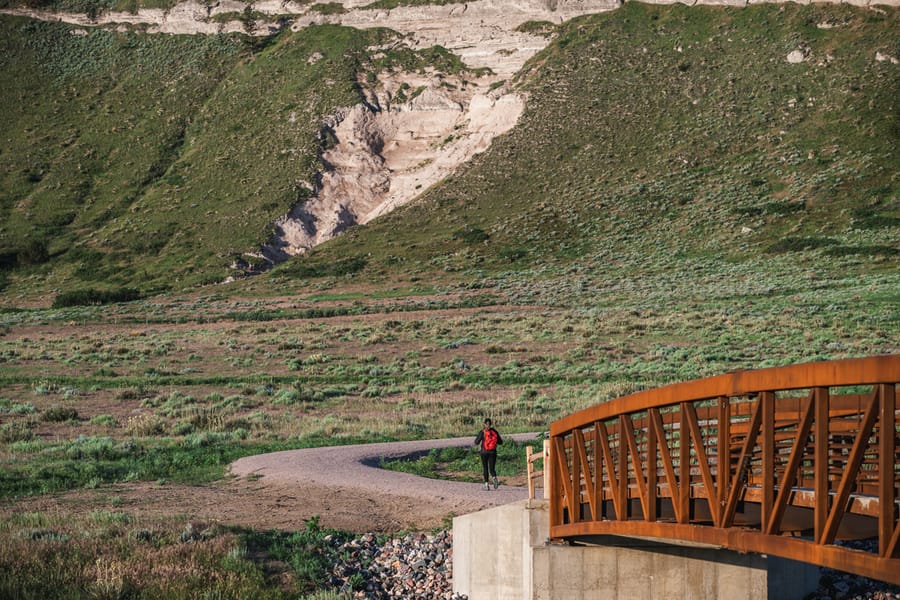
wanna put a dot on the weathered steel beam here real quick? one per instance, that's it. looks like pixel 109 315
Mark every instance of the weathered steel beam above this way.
pixel 790 472
pixel 887 438
pixel 854 371
pixel 839 506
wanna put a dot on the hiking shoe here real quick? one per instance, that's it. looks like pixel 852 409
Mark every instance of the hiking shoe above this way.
pixel 496 483
pixel 486 486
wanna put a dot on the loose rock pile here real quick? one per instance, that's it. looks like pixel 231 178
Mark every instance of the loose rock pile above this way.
pixel 416 566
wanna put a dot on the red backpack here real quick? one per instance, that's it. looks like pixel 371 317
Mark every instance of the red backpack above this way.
pixel 490 440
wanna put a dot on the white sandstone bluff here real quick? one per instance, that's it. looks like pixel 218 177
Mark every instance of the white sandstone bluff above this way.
pixel 387 153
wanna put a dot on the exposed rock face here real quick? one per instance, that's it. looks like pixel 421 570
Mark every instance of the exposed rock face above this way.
pixel 388 152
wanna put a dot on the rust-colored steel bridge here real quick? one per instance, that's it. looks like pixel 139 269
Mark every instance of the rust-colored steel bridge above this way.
pixel 782 461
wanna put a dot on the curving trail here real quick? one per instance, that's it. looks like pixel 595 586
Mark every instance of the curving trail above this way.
pixel 346 487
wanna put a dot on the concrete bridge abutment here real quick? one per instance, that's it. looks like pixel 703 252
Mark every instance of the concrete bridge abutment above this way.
pixel 503 554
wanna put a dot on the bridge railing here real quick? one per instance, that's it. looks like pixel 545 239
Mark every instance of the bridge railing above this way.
pixel 783 461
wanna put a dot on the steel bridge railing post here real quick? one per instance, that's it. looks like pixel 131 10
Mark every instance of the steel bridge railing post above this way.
pixel 820 477
pixel 887 437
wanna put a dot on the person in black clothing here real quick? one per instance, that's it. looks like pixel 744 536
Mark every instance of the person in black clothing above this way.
pixel 487 441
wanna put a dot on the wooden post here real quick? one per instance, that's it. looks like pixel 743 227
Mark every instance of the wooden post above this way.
pixel 530 471
pixel 546 469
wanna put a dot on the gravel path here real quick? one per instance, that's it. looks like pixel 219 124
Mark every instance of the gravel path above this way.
pixel 352 471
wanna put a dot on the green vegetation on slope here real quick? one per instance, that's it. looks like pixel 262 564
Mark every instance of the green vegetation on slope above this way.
pixel 663 134
pixel 656 139
pixel 90 8
pixel 151 162
pixel 673 166
pixel 90 122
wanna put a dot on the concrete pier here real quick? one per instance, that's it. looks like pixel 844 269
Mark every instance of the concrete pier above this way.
pixel 503 554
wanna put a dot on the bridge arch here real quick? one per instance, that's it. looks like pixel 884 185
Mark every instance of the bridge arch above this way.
pixel 784 461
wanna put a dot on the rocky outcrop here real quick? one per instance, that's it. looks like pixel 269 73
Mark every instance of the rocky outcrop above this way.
pixel 390 149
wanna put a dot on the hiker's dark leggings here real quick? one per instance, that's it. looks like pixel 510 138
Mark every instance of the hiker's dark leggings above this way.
pixel 489 465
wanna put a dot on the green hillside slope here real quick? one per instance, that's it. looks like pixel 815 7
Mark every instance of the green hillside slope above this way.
pixel 660 144
pixel 90 122
pixel 713 204
pixel 156 161
pixel 656 134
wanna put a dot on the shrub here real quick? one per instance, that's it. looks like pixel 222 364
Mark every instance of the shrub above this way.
pixel 513 254
pixel 471 235
pixel 183 428
pixel 205 438
pixel 798 244
pixel 59 414
pixel 17 431
pixel 868 217
pixel 288 397
pixel 94 296
pixel 542 28
pixel 18 408
pixel 104 421
pixel 146 424
pixel 458 343
pixel 328 8
pixel 93 448
pixel 872 250
pixel 34 252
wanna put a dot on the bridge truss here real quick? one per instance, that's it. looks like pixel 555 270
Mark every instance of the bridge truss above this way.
pixel 784 461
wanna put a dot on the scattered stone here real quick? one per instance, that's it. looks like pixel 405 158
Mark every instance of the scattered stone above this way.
pixel 797 56
pixel 417 566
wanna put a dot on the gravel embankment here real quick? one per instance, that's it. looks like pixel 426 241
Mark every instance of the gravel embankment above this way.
pixel 417 566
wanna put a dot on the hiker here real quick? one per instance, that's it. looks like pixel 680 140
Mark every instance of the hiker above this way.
pixel 486 441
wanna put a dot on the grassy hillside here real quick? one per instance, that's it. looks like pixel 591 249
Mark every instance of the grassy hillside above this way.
pixel 672 162
pixel 154 162
pixel 674 167
pixel 656 138
pixel 660 134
